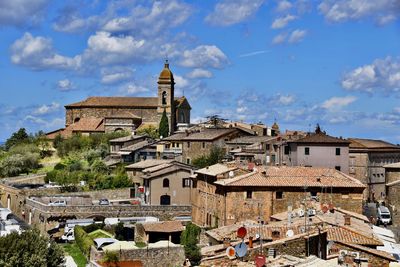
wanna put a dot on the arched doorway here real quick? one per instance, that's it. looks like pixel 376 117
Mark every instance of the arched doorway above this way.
pixel 165 200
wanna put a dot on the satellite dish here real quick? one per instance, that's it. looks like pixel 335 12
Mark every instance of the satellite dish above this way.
pixel 231 174
pixel 260 260
pixel 241 249
pixel 257 236
pixel 241 232
pixel 289 233
pixel 231 253
pixel 301 212
pixel 147 193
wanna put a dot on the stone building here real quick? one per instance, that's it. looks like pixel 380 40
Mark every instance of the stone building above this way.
pixel 195 143
pixel 318 150
pixel 223 195
pixel 163 182
pixel 392 191
pixel 109 114
pixel 367 158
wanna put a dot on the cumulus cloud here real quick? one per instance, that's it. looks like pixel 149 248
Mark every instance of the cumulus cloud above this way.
pixel 199 73
pixel 297 36
pixel 380 75
pixel 204 56
pixel 343 10
pixel 279 39
pixel 116 75
pixel 229 12
pixel 283 6
pixel 65 85
pixel 337 103
pixel 52 123
pixel 47 109
pixel 150 21
pixel 282 22
pixel 21 12
pixel 133 89
pixel 37 53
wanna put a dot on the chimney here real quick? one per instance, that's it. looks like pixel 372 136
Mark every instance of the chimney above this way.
pixel 347 220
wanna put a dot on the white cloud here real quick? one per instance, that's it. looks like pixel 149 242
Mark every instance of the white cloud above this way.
pixel 343 10
pixel 255 53
pixel 297 36
pixel 286 99
pixel 382 74
pixel 54 123
pixel 283 6
pixel 229 12
pixel 65 85
pixel 37 53
pixel 204 56
pixel 181 82
pixel 279 39
pixel 21 12
pixel 199 73
pixel 116 75
pixel 282 22
pixel 133 89
pixel 151 21
pixel 337 103
pixel 47 109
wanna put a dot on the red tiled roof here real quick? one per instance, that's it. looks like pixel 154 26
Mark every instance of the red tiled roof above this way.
pixel 358 143
pixel 347 235
pixel 294 177
pixel 372 251
pixel 319 138
pixel 89 124
pixel 116 102
pixel 164 227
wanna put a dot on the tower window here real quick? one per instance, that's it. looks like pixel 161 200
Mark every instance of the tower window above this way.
pixel 164 98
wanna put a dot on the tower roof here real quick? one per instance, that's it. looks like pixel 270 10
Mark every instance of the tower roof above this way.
pixel 166 74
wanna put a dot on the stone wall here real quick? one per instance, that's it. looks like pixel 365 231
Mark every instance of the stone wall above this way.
pixel 166 256
pixel 147 114
pixel 373 260
pixel 393 202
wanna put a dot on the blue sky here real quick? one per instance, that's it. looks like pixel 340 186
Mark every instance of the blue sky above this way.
pixel 300 62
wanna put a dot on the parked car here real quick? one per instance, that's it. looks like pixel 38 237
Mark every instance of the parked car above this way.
pixel 384 216
pixel 68 236
pixel 104 201
pixel 58 203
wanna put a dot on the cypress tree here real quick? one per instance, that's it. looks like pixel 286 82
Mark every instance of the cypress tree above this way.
pixel 164 127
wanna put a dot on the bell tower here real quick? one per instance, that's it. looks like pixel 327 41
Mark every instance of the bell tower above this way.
pixel 166 96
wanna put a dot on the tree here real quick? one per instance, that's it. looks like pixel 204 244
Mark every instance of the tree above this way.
pixel 18 137
pixel 216 155
pixel 149 130
pixel 189 239
pixel 29 249
pixel 110 258
pixel 164 127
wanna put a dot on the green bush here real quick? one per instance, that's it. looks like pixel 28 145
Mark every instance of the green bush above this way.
pixel 93 227
pixel 83 240
pixel 189 239
pixel 29 249
pixel 216 155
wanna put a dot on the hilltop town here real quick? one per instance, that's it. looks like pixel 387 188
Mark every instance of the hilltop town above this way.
pixel 132 181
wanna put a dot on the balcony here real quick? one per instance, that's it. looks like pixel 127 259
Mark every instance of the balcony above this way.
pixel 173 150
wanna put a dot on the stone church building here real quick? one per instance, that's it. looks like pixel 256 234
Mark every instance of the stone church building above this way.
pixel 109 114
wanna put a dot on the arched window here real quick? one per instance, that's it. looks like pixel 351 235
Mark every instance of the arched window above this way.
pixel 164 98
pixel 77 119
pixel 118 130
pixel 165 200
pixel 165 182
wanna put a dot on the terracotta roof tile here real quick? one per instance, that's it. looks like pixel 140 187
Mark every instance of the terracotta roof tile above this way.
pixel 359 143
pixel 372 251
pixel 346 235
pixel 294 177
pixel 321 138
pixel 164 227
pixel 116 102
pixel 207 134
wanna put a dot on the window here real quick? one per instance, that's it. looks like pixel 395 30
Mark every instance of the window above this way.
pixel 338 151
pixel 279 195
pixel 165 182
pixel 276 234
pixel 186 182
pixel 164 98
pixel 203 145
pixel 306 151
pixel 287 150
pixel 187 161
pixel 337 168
pixel 188 144
pixel 249 194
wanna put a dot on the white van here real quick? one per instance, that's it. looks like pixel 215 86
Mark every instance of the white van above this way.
pixel 384 216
